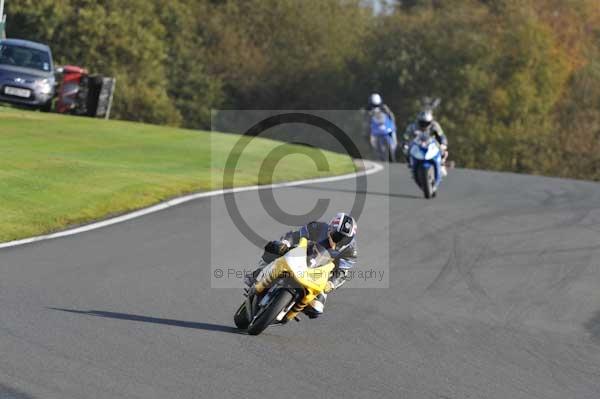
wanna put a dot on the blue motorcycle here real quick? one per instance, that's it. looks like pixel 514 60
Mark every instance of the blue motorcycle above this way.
pixel 383 136
pixel 425 159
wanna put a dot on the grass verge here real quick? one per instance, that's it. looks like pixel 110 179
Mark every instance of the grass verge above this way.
pixel 57 171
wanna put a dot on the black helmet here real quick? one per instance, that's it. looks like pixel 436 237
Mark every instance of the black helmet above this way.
pixel 424 119
pixel 342 228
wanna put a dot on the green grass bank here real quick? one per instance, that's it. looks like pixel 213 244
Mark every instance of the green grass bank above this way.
pixel 58 171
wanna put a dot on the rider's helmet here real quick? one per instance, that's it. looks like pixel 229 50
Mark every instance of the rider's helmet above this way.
pixel 342 228
pixel 375 100
pixel 425 118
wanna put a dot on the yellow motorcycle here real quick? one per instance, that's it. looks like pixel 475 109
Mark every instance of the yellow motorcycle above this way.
pixel 285 287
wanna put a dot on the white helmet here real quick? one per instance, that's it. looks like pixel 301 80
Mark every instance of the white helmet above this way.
pixel 375 100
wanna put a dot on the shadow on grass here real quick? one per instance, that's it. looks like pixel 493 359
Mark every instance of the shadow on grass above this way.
pixel 154 320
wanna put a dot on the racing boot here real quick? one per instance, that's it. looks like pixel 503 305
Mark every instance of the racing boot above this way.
pixel 316 306
pixel 444 159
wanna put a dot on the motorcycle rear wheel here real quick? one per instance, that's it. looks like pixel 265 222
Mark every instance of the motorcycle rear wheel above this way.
pixel 268 315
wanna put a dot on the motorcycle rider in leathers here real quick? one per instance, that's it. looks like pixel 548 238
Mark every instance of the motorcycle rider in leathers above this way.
pixel 426 123
pixel 338 237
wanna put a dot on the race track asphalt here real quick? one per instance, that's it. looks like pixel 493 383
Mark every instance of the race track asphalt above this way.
pixel 494 292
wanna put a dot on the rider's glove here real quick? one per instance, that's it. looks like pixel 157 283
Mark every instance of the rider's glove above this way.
pixel 336 280
pixel 276 247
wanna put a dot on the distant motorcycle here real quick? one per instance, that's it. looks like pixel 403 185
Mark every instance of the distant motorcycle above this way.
pixel 425 157
pixel 383 136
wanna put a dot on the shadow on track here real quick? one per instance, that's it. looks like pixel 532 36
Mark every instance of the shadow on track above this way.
pixel 341 190
pixel 155 320
pixel 593 327
pixel 11 393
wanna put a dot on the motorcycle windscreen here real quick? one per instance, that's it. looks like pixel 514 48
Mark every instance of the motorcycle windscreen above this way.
pixel 432 151
pixel 296 260
pixel 416 153
pixel 317 255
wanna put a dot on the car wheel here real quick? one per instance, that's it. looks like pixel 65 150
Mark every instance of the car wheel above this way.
pixel 47 107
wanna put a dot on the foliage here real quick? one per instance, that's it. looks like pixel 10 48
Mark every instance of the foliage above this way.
pixel 513 75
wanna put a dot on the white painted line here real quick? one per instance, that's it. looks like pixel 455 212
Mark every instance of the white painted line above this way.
pixel 370 168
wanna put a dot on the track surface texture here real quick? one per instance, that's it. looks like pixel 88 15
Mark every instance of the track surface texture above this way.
pixel 494 292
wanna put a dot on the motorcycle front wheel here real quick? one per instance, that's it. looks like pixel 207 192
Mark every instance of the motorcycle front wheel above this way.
pixel 426 178
pixel 391 156
pixel 268 314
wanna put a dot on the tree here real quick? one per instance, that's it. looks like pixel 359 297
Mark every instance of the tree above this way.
pixel 288 54
pixel 114 38
pixel 191 88
pixel 499 75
